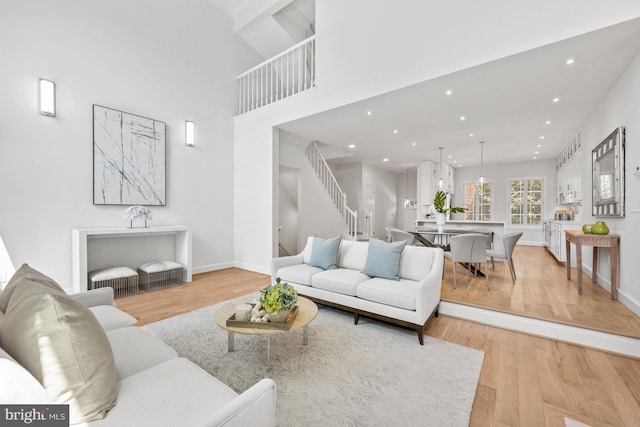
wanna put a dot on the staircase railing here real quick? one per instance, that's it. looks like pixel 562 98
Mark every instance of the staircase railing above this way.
pixel 330 183
pixel 286 74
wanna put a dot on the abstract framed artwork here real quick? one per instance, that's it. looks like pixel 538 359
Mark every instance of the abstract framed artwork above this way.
pixel 129 166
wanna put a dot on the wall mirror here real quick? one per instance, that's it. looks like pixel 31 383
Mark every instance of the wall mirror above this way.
pixel 608 175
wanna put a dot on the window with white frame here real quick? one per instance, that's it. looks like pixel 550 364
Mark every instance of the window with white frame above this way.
pixel 526 201
pixel 478 201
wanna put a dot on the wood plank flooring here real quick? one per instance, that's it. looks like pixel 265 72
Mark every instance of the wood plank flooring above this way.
pixel 542 291
pixel 525 380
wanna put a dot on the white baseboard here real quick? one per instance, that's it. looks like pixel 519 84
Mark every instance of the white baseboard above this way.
pixel 251 267
pixel 211 267
pixel 530 243
pixel 557 331
pixel 624 298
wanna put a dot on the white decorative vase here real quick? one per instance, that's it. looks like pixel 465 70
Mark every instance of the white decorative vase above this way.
pixel 280 317
pixel 440 221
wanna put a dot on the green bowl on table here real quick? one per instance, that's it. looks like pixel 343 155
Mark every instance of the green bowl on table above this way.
pixel 586 229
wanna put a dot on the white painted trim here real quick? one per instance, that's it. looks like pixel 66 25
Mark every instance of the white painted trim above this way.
pixel 552 330
pixel 251 267
pixel 212 267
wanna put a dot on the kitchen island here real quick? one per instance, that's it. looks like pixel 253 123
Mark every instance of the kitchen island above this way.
pixel 497 227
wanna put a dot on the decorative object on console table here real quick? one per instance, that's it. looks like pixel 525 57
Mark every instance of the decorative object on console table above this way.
pixel 439 202
pixel 137 212
pixel 586 229
pixel 128 159
pixel 600 228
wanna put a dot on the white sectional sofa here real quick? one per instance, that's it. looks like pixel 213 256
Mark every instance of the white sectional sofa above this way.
pixel 409 301
pixel 133 378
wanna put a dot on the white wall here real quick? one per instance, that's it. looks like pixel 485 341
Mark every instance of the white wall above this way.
pixel 500 175
pixel 406 187
pixel 385 185
pixel 288 208
pixel 349 177
pixel 171 61
pixel 367 47
pixel 621 107
pixel 317 214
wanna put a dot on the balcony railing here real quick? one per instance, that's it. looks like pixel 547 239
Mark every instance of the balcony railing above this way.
pixel 286 74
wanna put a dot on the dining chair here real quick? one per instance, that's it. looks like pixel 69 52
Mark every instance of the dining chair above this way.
pixel 488 234
pixel 468 249
pixel 397 235
pixel 510 241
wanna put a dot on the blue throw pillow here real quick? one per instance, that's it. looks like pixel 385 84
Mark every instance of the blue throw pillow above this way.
pixel 324 253
pixel 383 259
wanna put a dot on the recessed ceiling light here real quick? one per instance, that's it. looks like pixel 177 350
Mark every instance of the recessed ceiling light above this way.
pixel 548 122
pixel 455 161
pixel 449 155
pixel 539 145
pixel 395 131
pixel 369 113
pixel 385 160
pixel 556 99
pixel 460 165
pixel 534 157
pixel 413 143
pixel 542 137
pixel 352 145
pixel 470 134
pixel 570 61
pixel 462 117
pixel 449 92
pixel 535 152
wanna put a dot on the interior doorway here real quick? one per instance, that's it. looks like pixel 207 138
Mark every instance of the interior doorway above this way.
pixel 288 210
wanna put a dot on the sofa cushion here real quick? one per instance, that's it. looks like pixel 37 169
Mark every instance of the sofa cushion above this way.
pixel 343 280
pixel 111 318
pixel 324 253
pixel 60 342
pixel 383 259
pixel 299 273
pixel 174 393
pixel 135 350
pixel 416 262
pixel 400 293
pixel 18 386
pixel 22 273
pixel 353 254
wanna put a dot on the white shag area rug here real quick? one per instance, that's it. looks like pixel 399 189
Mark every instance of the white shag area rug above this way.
pixel 370 374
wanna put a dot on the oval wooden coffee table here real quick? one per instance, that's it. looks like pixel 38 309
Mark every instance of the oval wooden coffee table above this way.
pixel 307 311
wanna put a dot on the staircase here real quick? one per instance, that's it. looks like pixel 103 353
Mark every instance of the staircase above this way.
pixel 319 164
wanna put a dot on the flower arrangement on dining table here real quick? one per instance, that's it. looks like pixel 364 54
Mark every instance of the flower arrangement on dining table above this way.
pixel 274 299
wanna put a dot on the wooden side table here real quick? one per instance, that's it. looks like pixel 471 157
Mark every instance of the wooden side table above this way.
pixel 597 241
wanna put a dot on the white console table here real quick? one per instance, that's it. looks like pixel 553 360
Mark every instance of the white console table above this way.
pixel 80 241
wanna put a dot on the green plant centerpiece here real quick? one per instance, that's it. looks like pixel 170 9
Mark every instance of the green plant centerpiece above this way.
pixel 440 200
pixel 278 298
pixel 440 211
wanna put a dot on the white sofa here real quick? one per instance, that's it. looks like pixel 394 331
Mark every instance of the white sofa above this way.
pixel 408 302
pixel 155 386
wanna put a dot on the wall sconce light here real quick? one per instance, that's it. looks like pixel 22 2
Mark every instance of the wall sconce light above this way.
pixel 47 97
pixel 190 133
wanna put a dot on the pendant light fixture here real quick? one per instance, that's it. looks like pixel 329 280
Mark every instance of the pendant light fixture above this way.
pixel 481 177
pixel 440 182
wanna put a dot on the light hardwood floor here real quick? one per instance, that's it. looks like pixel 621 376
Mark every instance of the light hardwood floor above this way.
pixel 525 380
pixel 542 291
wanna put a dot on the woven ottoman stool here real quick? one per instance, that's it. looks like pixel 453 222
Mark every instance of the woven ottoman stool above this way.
pixel 160 274
pixel 123 280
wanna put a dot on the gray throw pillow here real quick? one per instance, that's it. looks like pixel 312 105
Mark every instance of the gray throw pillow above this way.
pixel 324 253
pixel 383 259
pixel 60 342
pixel 22 273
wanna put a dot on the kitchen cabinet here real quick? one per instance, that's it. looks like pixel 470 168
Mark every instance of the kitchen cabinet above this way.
pixel 557 238
pixel 569 167
pixel 428 177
